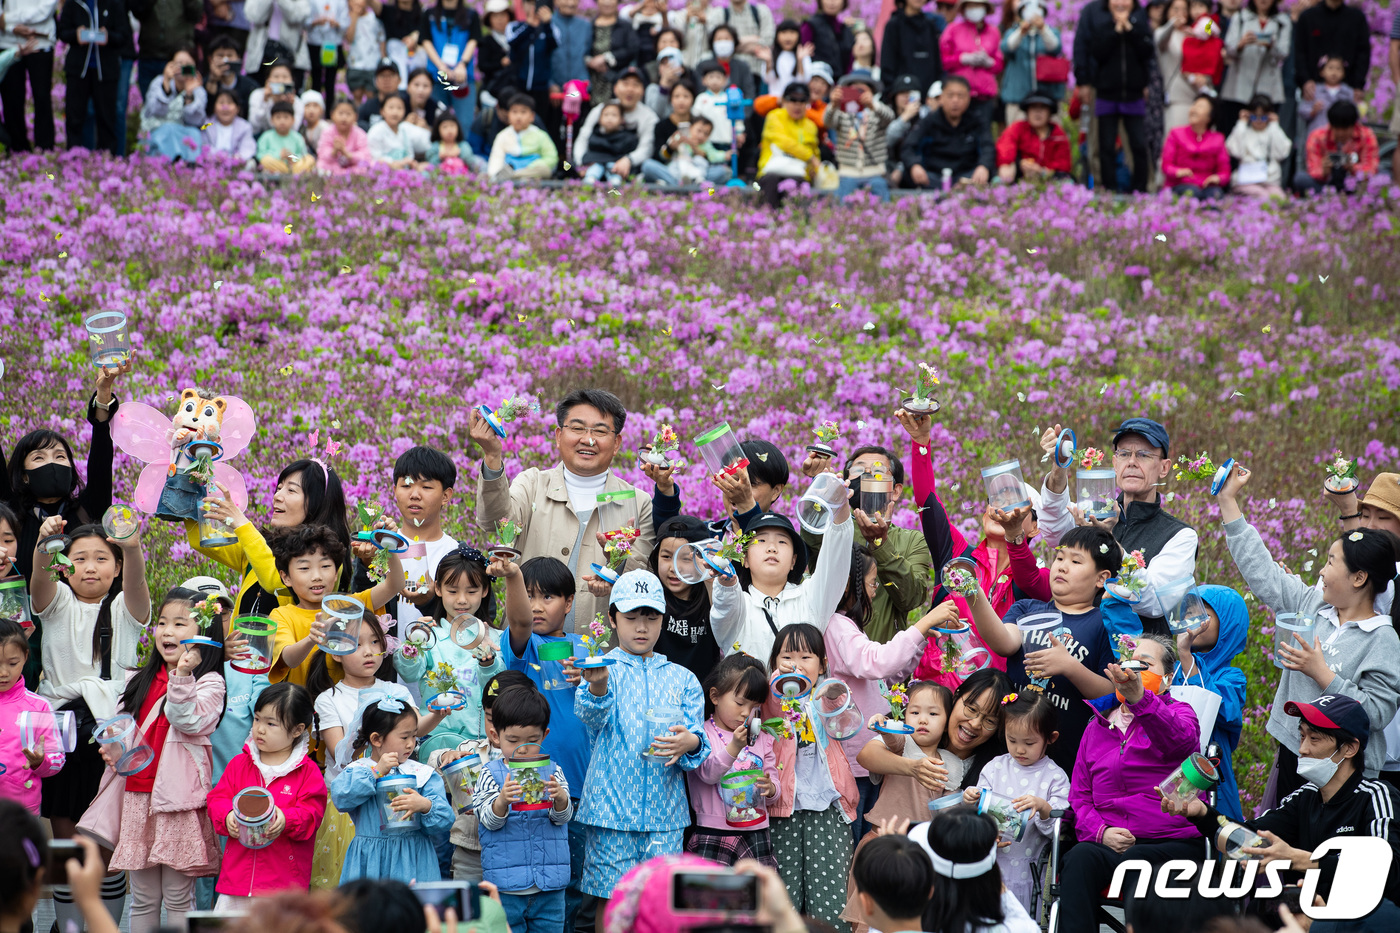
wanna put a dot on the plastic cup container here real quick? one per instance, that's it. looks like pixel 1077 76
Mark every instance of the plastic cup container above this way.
pixel 530 772
pixel 390 787
pixel 690 563
pixel 720 450
pixel 1189 613
pixel 962 656
pixel 959 576
pixel 1287 625
pixel 744 804
pixel 659 722
pixel 946 802
pixel 133 752
pixel 833 703
pixel 467 631
pixel 1194 776
pixel 818 505
pixel 14 603
pixel 214 532
pixel 345 614
pixel 1098 493
pixel 1006 490
pixel 460 777
pixel 120 521
pixel 58 729
pixel 1039 621
pixel 1232 838
pixel 552 655
pixel 108 342
pixel 1011 823
pixel 259 633
pixel 253 809
pixel 875 492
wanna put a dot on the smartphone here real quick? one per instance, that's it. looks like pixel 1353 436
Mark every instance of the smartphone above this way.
pixel 277 87
pixel 207 921
pixel 60 851
pixel 188 71
pixel 92 36
pixel 714 890
pixel 464 897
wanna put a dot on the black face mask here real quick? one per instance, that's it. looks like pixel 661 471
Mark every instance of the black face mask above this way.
pixel 50 481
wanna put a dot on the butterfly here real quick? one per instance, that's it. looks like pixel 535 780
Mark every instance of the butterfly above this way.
pixel 315 197
pixel 666 331
pixel 1323 278
pixel 520 318
pixel 869 325
pixel 50 174
pixel 378 200
pixel 836 305
pixel 63 255
pixel 1032 251
pixel 1162 237
pixel 694 250
pixel 335 423
pixel 286 370
pixel 718 388
pixel 763 457
pixel 218 284
pixel 344 270
pixel 1268 328
pixel 567 166
pixel 287 229
pixel 712 191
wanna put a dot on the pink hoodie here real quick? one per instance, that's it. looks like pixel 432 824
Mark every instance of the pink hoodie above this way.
pixel 357 157
pixel 962 37
pixel 704 794
pixel 18 783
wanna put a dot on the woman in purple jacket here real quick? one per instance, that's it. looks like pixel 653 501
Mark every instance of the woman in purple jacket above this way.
pixel 1136 741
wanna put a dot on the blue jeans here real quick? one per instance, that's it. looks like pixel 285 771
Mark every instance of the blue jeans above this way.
pixel 147 70
pixel 877 185
pixel 541 912
pixel 869 790
pixel 1208 193
pixel 463 107
pixel 598 170
pixel 656 172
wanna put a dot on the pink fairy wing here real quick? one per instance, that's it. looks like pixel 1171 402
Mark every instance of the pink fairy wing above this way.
pixel 239 426
pixel 143 432
pixel 149 486
pixel 231 478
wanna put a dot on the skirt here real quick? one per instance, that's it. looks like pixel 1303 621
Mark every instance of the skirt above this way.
pixel 332 839
pixel 183 840
pixel 69 793
pixel 724 847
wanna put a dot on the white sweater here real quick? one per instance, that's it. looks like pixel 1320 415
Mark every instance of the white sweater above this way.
pixel 1272 146
pixel 38 15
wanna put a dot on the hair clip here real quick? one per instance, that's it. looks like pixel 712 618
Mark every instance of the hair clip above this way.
pixel 471 554
pixel 1009 698
pixel 1355 536
pixel 390 705
pixel 31 850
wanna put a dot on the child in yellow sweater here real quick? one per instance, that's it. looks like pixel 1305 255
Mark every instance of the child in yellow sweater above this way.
pixel 788 148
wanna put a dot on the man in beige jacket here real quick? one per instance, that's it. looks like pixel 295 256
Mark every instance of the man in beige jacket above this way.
pixel 565 508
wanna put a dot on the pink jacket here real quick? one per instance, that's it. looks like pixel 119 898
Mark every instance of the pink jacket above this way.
pixel 357 157
pixel 785 750
pixel 1203 156
pixel 860 663
pixel 704 795
pixel 300 793
pixel 18 783
pixel 962 37
pixel 186 769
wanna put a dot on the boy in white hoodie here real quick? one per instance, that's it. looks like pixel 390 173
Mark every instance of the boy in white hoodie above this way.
pixel 1261 145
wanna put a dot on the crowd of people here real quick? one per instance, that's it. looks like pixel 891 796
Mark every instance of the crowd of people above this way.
pixel 601 694
pixel 1183 95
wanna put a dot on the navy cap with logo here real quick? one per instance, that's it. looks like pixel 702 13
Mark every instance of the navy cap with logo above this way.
pixel 1334 711
pixel 386 64
pixel 1154 432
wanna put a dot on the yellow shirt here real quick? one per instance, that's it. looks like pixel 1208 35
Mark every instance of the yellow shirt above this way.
pixel 797 138
pixel 294 624
pixel 250 556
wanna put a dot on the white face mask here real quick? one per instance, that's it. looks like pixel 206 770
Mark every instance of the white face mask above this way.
pixel 724 48
pixel 975 14
pixel 1031 10
pixel 1317 771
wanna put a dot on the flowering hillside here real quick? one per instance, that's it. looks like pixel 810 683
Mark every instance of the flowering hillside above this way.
pixel 379 313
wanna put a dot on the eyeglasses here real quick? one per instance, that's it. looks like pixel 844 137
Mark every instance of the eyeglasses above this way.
pixel 576 429
pixel 1258 118
pixel 1143 456
pixel 981 719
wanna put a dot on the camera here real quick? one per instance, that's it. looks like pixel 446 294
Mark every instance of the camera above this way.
pixel 463 897
pixel 715 890
pixel 60 851
pixel 188 71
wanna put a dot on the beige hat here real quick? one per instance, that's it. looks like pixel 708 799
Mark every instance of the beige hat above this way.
pixel 1384 493
pixel 209 586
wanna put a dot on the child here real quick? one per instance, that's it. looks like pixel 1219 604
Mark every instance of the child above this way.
pixel 712 103
pixel 769 592
pixel 325 32
pixel 281 151
pixel 968 894
pixel 1351 646
pixel 858 123
pixel 686 638
pixel 176 697
pixel 275 758
pixel 1261 146
pixel 893 878
pixel 393 142
pixel 385 726
pixel 313 118
pixel 914 772
pixel 1202 51
pixel 692 158
pixel 448 153
pixel 1331 90
pixel 817 796
pixel 609 142
pixel 25 767
pixel 229 133
pixel 789 59
pixel 522 150
pixel 734 692
pixel 307 558
pixel 1061 658
pixel 1032 780
pixel 524 853
pixel 364 41
pixel 344 147
pixel 635 809
pixel 1206 660
pixel 461 587
pixel 242 689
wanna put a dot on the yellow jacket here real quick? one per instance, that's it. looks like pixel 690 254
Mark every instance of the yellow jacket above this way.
pixel 250 556
pixel 797 138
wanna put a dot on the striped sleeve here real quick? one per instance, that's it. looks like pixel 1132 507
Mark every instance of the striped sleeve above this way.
pixel 487 790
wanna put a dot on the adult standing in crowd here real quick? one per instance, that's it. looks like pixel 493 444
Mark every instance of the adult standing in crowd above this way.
pixel 1331 28
pixel 1258 42
pixel 1033 56
pixel 612 48
pixel 1112 54
pixel 92 69
pixel 27 27
pixel 723 42
pixel 574 32
pixel 752 23
pixel 1178 91
pixel 910 45
pixel 276 37
pixel 167 27
pixel 831 39
pixel 450 32
pixel 971 50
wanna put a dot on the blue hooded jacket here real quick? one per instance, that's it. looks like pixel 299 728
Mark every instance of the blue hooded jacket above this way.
pixel 1221 676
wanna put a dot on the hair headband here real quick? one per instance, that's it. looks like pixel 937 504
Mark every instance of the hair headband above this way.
pixel 32 851
pixel 950 869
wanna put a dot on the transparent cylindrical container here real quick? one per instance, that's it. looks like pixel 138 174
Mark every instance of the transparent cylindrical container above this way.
pixel 719 448
pixel 467 631
pixel 946 802
pixel 659 721
pixel 108 341
pixel 1231 839
pixel 875 492
pixel 1288 628
pixel 253 809
pixel 390 787
pixel 818 505
pixel 744 804
pixel 461 776
pixel 959 576
pixel 552 655
pixel 1011 823
pixel 214 532
pixel 1006 490
pixel 57 729
pixel 531 771
pixel 694 562
pixel 1039 622
pixel 962 655
pixel 1195 776
pixel 120 521
pixel 133 754
pixel 833 703
pixel 259 633
pixel 1097 493
pixel 1188 613
pixel 343 614
pixel 14 603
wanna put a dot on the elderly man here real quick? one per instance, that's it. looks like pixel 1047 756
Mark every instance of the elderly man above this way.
pixel 563 509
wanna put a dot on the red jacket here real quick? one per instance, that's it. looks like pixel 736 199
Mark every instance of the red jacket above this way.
pixel 300 793
pixel 1019 142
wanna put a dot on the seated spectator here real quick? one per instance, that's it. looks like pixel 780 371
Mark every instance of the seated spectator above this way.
pixel 723 42
pixel 1332 89
pixel 174 111
pixel 1340 154
pixel 493 54
pixel 1136 740
pixel 628 86
pixel 665 73
pixel 1194 160
pixel 906 99
pixel 393 141
pixel 950 144
pixel 1261 146
pixel 344 147
pixel 228 133
pixel 448 153
pixel 423 108
pixel 522 150
pixel 971 49
pixel 712 104
pixel 858 123
pixel 788 146
pixel 226 73
pixel 789 60
pixel 609 142
pixel 494 117
pixel 313 117
pixel 673 131
pixel 1035 148
pixel 278 87
pixel 386 85
pixel 694 160
pixel 281 150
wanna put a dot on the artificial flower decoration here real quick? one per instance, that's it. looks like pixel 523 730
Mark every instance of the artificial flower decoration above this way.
pixel 1341 474
pixel 596 641
pixel 1355 536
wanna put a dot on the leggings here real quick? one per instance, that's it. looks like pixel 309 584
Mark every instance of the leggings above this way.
pixel 150 887
pixel 1135 141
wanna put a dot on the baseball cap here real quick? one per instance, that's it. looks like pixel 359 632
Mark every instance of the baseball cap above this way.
pixel 386 64
pixel 774 520
pixel 820 70
pixel 209 586
pixel 1334 711
pixel 631 71
pixel 862 76
pixel 670 53
pixel 1384 493
pixel 638 589
pixel 1154 432
pixel 688 527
